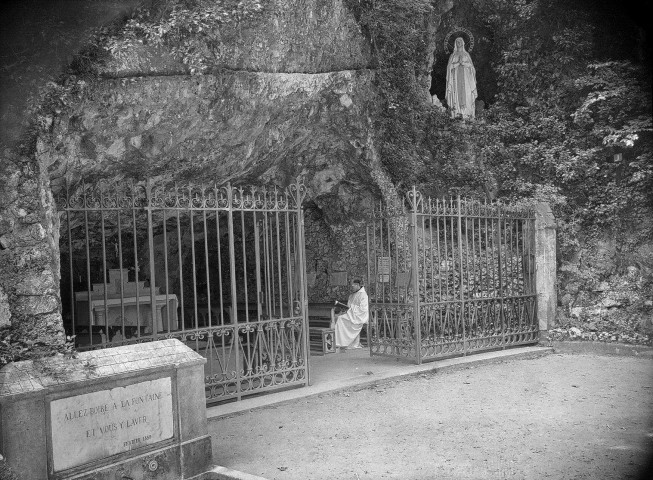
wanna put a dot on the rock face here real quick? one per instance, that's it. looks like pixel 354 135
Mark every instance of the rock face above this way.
pixel 607 293
pixel 235 126
pixel 290 36
pixel 290 94
pixel 29 253
pixel 37 40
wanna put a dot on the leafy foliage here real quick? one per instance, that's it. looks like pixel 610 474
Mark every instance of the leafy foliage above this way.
pixel 571 123
pixel 14 347
pixel 190 28
pixel 566 126
pixel 397 30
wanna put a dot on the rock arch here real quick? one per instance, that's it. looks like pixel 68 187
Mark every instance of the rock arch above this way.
pixel 281 101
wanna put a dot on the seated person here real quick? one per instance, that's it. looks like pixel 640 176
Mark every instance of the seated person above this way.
pixel 348 325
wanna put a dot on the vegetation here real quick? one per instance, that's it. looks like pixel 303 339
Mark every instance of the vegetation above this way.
pixel 190 29
pixel 397 30
pixel 571 123
pixel 13 347
pixel 563 112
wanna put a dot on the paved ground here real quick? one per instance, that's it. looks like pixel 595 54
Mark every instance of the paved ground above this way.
pixel 356 368
pixel 561 416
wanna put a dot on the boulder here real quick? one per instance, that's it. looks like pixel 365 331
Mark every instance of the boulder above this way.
pixel 574 332
pixel 576 312
pixel 646 325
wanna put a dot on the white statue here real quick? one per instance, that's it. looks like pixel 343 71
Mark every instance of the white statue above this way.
pixel 461 82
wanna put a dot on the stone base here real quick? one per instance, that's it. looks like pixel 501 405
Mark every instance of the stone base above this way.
pixel 177 461
pixel 133 412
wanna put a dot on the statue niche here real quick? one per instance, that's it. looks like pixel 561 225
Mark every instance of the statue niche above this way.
pixel 461 82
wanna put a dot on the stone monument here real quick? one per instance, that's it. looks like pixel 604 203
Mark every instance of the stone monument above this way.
pixel 131 412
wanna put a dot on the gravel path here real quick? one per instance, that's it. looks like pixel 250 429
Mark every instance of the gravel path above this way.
pixel 559 417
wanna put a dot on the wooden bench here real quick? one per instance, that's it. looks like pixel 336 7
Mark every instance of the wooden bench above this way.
pixel 323 315
pixel 322 337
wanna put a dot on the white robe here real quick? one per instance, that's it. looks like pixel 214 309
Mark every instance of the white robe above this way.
pixel 349 325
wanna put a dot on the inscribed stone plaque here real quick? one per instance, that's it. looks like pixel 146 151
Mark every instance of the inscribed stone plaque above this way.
pixel 97 425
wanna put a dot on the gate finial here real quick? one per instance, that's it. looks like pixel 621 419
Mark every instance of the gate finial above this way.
pixel 415 198
pixel 298 191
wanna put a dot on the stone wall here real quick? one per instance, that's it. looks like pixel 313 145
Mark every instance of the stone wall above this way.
pixel 29 253
pixel 606 292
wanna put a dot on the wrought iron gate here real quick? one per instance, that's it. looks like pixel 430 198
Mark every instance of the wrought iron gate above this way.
pixel 450 277
pixel 219 268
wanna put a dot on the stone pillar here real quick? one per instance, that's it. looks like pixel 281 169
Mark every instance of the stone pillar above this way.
pixel 545 265
pixel 29 252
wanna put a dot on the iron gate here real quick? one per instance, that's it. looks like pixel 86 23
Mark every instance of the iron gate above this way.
pixel 450 277
pixel 219 268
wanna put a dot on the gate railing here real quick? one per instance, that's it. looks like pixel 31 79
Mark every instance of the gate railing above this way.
pixel 450 277
pixel 219 268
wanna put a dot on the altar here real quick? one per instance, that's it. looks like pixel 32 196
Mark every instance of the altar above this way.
pixel 127 304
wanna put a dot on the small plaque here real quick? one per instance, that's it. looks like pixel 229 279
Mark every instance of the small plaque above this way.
pixel 96 425
pixel 338 279
pixel 384 269
pixel 403 279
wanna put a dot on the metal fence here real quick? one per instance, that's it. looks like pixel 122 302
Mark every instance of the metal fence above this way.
pixel 450 277
pixel 219 268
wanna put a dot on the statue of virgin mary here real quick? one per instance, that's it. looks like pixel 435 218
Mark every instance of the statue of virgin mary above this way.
pixel 461 82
